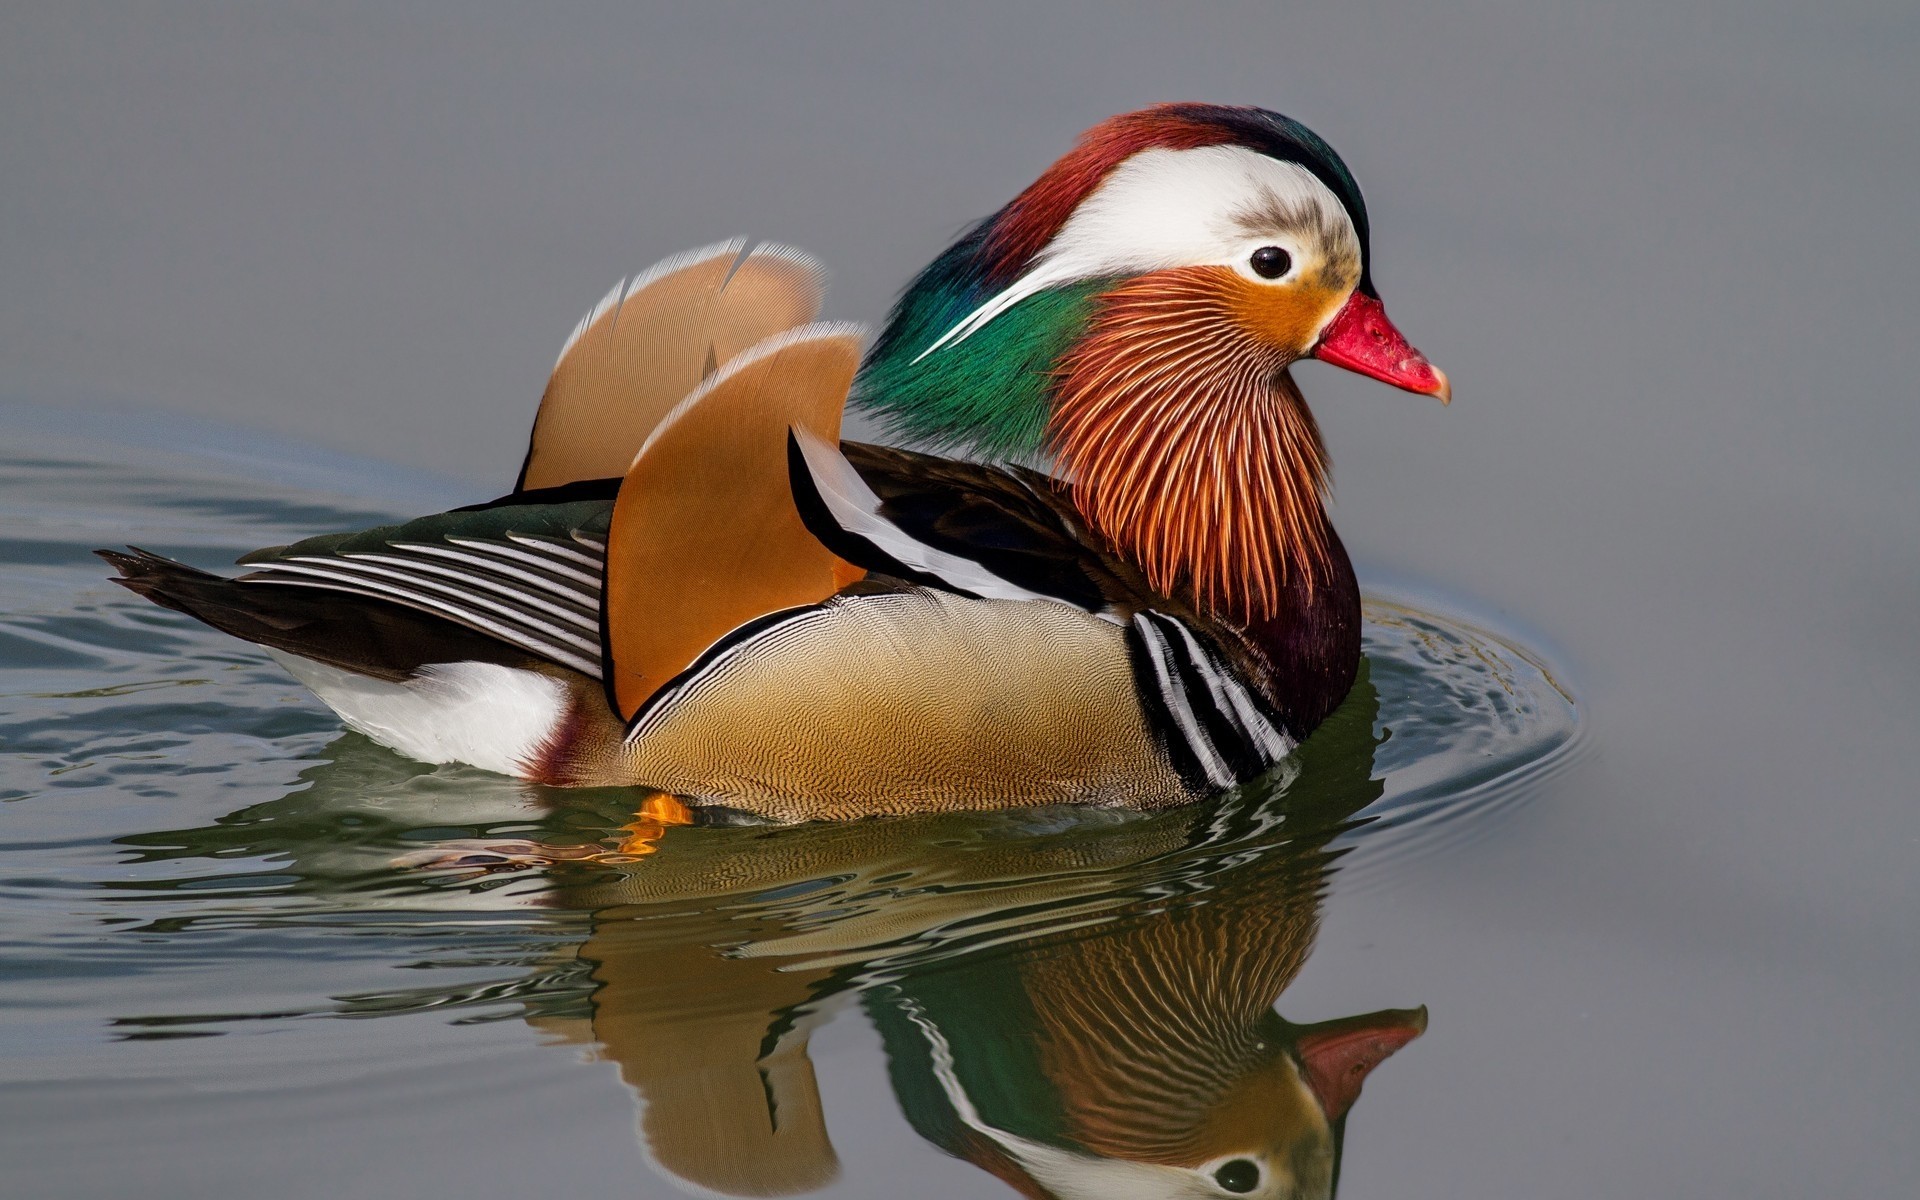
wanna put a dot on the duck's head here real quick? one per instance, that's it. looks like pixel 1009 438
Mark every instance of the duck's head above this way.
pixel 1134 312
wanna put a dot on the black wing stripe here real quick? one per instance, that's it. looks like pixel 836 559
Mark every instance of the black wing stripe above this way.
pixel 1231 698
pixel 1176 702
pixel 509 633
pixel 820 521
pixel 464 586
pixel 1208 701
pixel 538 558
pixel 498 576
pixel 1214 728
pixel 827 485
pixel 515 626
pixel 556 548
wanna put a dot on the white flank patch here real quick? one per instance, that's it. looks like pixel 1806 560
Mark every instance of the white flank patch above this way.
pixel 481 714
pixel 1163 209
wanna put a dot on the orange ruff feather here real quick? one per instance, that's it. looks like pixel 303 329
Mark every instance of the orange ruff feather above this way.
pixel 1189 445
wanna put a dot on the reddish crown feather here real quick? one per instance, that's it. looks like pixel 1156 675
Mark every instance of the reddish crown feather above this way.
pixel 1025 226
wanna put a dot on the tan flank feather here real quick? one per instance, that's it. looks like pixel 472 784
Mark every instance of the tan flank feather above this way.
pixel 650 342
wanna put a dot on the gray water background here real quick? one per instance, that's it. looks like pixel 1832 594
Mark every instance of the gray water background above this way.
pixel 1666 253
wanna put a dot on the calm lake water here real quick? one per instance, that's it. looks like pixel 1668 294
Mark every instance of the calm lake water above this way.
pixel 249 954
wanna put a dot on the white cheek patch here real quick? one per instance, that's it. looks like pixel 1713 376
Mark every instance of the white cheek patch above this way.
pixel 1163 209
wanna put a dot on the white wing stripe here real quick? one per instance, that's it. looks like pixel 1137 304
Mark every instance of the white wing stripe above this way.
pixel 507 634
pixel 421 591
pixel 529 609
pixel 528 613
pixel 556 549
pixel 856 509
pixel 576 605
pixel 1234 703
pixel 1175 696
pixel 543 562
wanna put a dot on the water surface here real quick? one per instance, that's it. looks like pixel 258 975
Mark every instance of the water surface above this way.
pixel 240 939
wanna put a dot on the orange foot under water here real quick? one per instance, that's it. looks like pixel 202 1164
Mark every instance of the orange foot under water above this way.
pixel 641 837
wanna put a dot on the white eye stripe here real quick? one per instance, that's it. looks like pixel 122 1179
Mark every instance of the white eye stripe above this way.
pixel 1162 209
pixel 1171 208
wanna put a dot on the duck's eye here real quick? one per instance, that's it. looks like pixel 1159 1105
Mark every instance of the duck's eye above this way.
pixel 1271 262
pixel 1242 1175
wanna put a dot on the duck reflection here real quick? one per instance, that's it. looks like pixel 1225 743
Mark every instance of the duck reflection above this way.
pixel 1150 1063
pixel 1080 1003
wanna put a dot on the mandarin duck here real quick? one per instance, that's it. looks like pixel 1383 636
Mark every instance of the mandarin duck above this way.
pixel 696 587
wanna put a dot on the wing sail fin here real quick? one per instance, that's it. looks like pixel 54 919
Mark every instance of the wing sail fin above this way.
pixel 705 535
pixel 651 341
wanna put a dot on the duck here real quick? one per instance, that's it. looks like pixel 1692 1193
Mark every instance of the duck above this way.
pixel 1103 574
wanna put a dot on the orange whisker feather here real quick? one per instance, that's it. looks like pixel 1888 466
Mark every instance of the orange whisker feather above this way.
pixel 1189 446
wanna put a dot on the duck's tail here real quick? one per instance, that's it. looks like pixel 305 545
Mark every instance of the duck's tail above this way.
pixel 359 634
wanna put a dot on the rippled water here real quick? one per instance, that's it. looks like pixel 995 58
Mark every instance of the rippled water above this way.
pixel 208 890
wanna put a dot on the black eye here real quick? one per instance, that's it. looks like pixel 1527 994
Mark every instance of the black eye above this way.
pixel 1271 262
pixel 1242 1175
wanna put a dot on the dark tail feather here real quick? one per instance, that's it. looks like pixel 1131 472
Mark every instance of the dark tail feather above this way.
pixel 354 633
